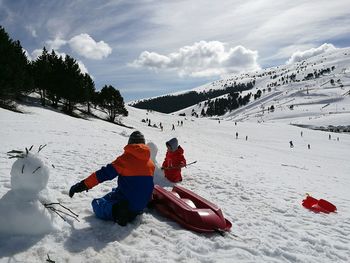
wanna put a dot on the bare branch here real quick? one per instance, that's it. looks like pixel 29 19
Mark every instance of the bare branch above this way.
pixel 41 147
pixel 68 209
pixel 14 151
pixel 60 212
pixel 55 211
pixel 58 203
pixel 49 259
pixel 16 156
pixel 65 213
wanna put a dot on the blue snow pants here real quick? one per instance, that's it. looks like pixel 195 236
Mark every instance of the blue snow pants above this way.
pixel 103 206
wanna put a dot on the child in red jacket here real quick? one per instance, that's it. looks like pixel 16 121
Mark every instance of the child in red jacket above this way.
pixel 174 161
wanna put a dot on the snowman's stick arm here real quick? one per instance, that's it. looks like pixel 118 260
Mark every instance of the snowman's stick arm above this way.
pixel 65 213
pixel 54 210
pixel 57 203
pixel 57 211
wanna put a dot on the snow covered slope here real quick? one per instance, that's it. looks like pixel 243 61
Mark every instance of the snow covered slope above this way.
pixel 257 180
pixel 324 92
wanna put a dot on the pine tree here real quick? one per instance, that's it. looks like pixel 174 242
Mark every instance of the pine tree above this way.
pixel 42 71
pixel 72 90
pixel 14 69
pixel 113 103
pixel 89 91
pixel 56 78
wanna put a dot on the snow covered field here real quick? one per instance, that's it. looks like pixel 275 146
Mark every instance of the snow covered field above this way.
pixel 259 184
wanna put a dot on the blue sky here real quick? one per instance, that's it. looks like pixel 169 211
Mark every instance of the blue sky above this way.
pixel 147 48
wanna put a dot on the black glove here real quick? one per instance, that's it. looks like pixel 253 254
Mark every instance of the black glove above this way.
pixel 77 188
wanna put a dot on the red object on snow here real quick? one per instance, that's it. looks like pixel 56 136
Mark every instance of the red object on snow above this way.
pixel 320 205
pixel 189 210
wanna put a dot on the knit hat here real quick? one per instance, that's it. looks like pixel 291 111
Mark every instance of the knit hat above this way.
pixel 136 137
pixel 173 144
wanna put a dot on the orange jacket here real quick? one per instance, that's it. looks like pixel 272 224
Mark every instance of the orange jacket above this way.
pixel 135 170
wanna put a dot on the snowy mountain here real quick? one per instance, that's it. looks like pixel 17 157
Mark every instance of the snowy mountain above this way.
pixel 319 86
pixel 245 165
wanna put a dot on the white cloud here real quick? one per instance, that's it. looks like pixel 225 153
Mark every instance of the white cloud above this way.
pixel 202 59
pixel 36 53
pixel 86 46
pixel 26 53
pixel 302 55
pixel 31 30
pixel 82 67
pixel 231 21
pixel 60 54
pixel 55 44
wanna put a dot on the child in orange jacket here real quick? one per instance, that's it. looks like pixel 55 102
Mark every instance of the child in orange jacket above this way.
pixel 174 161
pixel 134 169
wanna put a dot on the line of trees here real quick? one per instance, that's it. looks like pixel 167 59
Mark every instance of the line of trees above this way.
pixel 15 77
pixel 220 106
pixel 171 103
pixel 56 79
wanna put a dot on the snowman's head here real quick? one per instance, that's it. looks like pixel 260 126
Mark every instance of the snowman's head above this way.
pixel 154 150
pixel 29 173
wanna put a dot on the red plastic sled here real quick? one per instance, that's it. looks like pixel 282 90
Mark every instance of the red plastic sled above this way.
pixel 319 205
pixel 189 210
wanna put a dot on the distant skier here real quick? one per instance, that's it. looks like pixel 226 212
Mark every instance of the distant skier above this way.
pixel 236 135
pixel 301 133
pixel 134 169
pixel 291 145
pixel 329 137
pixel 308 146
pixel 246 138
pixel 174 161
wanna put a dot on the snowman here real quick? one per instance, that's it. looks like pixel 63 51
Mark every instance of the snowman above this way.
pixel 22 211
pixel 158 177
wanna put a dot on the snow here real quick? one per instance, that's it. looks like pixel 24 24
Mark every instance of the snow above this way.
pixel 21 216
pixel 29 174
pixel 259 183
pixel 22 211
pixel 316 95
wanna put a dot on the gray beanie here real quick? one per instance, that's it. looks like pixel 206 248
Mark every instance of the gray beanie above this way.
pixel 136 137
pixel 173 144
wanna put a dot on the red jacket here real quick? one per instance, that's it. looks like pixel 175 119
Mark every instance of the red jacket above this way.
pixel 177 160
